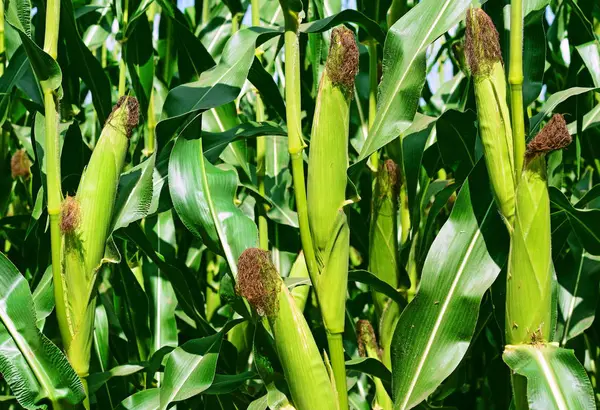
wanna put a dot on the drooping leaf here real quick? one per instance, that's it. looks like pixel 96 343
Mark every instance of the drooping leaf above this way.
pixel 203 197
pixel 584 222
pixel 191 368
pixel 88 68
pixel 404 67
pixel 555 378
pixel 551 103
pixel 35 369
pixel 435 329
pixel 578 275
pixel 46 69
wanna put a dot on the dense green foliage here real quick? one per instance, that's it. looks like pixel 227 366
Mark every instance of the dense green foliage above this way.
pixel 429 257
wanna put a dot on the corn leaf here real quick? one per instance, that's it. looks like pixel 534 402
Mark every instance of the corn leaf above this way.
pixel 203 196
pixel 435 329
pixel 143 400
pixel 551 103
pixel 404 67
pixel 584 222
pixel 555 378
pixel 578 275
pixel 46 69
pixel 35 369
pixel 191 368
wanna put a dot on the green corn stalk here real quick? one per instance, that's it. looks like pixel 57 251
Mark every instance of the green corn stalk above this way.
pixel 383 236
pixel 304 370
pixel 85 224
pixel 485 61
pixel 327 165
pixel 367 346
pixel 529 281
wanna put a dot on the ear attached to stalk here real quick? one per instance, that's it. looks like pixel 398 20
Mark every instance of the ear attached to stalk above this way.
pixel 308 380
pixel 529 284
pixel 487 70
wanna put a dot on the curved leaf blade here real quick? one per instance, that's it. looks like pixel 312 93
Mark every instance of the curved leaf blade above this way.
pixel 435 329
pixel 555 378
pixel 203 196
pixel 33 366
pixel 404 67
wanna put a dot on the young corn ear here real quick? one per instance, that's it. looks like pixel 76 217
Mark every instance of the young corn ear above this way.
pixel 85 223
pixel 304 370
pixel 485 61
pixel 367 346
pixel 383 236
pixel 327 165
pixel 529 284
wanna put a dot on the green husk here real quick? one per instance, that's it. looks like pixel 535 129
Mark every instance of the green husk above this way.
pixel 85 224
pixel 529 284
pixel 530 270
pixel 300 271
pixel 383 236
pixel 367 346
pixel 485 61
pixel 304 370
pixel 327 165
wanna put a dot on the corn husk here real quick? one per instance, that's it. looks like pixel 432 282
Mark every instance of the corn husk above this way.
pixel 367 346
pixel 327 165
pixel 485 61
pixel 304 370
pixel 85 224
pixel 383 235
pixel 530 270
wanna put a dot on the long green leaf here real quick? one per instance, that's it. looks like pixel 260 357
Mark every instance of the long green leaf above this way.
pixel 555 378
pixel 434 330
pixel 584 222
pixel 35 369
pixel 404 67
pixel 203 197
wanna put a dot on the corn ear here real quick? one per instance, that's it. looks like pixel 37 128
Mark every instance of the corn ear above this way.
pixel 383 241
pixel 328 159
pixel 85 224
pixel 485 61
pixel 367 346
pixel 529 283
pixel 261 285
pixel 327 167
pixel 387 325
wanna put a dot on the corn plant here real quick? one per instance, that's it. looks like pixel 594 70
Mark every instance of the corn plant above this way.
pixel 312 205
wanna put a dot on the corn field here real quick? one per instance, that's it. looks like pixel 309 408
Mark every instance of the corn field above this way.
pixel 299 204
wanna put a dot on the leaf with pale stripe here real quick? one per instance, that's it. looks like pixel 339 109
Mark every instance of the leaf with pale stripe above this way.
pixel 555 378
pixel 435 329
